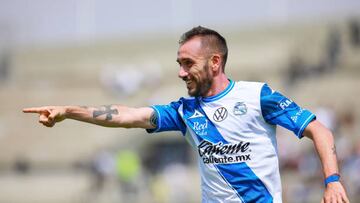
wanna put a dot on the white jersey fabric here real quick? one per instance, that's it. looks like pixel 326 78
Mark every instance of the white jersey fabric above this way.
pixel 233 133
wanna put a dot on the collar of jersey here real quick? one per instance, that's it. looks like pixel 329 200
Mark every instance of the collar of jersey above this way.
pixel 221 94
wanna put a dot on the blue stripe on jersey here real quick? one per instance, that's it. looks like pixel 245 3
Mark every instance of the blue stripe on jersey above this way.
pixel 245 182
pixel 168 118
pixel 279 110
pixel 221 94
pixel 238 175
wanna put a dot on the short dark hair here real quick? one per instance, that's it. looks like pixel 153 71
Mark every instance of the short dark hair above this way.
pixel 210 38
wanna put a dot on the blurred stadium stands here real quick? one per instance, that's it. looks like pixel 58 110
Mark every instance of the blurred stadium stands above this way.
pixel 38 164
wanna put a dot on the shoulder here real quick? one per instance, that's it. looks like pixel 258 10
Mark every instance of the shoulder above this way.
pixel 249 84
pixel 186 100
pixel 259 88
pixel 249 88
pixel 182 101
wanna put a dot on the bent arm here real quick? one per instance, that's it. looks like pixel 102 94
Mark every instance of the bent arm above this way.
pixel 325 147
pixel 108 116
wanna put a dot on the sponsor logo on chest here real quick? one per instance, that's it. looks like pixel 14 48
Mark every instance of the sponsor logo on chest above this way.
pixel 220 114
pixel 200 127
pixel 212 153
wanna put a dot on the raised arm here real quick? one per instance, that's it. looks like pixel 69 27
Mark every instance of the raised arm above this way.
pixel 325 147
pixel 109 115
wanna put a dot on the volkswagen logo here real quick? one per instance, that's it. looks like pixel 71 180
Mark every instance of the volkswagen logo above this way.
pixel 220 114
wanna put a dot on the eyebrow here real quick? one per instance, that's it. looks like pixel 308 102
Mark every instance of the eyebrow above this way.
pixel 182 60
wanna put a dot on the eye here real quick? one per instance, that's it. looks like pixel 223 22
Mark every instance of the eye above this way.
pixel 188 63
pixel 185 63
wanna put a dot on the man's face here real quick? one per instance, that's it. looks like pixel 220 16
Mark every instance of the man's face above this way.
pixel 194 67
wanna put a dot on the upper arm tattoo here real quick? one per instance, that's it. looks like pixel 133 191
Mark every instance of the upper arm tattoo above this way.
pixel 153 119
pixel 105 110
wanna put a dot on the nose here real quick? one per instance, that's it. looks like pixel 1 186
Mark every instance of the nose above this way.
pixel 182 73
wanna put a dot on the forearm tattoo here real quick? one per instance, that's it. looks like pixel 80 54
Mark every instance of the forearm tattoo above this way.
pixel 105 110
pixel 153 119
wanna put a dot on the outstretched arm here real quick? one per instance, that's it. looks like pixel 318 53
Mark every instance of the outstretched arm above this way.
pixel 109 115
pixel 324 145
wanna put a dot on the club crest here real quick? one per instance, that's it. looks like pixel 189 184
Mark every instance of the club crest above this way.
pixel 240 108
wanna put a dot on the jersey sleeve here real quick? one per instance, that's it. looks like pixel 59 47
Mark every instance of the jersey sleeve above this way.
pixel 168 118
pixel 279 110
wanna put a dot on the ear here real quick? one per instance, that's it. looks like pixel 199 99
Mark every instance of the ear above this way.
pixel 215 62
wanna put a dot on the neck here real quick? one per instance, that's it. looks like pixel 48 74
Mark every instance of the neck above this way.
pixel 219 84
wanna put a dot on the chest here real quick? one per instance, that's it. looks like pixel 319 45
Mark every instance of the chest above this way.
pixel 234 114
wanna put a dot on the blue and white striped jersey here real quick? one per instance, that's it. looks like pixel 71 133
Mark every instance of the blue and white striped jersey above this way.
pixel 233 133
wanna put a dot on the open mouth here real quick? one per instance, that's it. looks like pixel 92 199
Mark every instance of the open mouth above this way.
pixel 189 82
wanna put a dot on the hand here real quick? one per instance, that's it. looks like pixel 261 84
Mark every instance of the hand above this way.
pixel 48 115
pixel 335 193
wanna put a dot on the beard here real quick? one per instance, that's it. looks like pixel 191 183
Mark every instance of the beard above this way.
pixel 199 86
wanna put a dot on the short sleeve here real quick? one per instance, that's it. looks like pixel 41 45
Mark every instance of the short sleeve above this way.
pixel 279 110
pixel 168 118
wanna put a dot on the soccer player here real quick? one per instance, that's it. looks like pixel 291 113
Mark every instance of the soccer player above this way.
pixel 230 124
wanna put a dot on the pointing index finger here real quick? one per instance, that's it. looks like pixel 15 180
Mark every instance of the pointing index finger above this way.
pixel 34 110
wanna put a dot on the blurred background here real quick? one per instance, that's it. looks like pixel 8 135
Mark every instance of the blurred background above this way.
pixel 92 52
